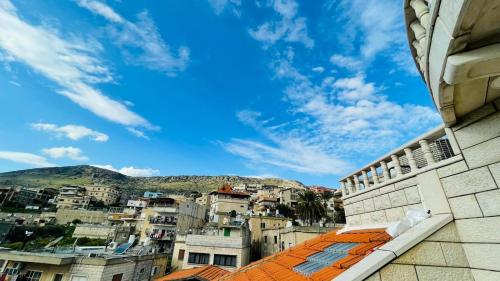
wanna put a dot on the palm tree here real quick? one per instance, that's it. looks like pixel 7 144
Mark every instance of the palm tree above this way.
pixel 310 207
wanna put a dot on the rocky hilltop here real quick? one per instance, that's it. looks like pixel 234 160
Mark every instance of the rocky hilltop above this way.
pixel 84 174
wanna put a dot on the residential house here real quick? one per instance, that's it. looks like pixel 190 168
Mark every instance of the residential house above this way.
pixel 73 197
pixel 225 200
pixel 106 194
pixel 44 266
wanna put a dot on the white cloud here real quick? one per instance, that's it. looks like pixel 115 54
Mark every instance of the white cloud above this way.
pixel 288 27
pixel 73 65
pixel 132 171
pixel 26 158
pixel 101 9
pixel 219 6
pixel 70 131
pixel 142 36
pixel 70 152
pixel 137 133
pixel 371 28
pixel 318 69
pixel 347 62
pixel 335 123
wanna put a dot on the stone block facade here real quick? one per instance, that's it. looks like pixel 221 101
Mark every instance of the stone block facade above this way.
pixel 468 248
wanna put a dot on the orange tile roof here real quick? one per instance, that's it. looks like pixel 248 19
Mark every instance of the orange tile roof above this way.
pixel 343 250
pixel 209 272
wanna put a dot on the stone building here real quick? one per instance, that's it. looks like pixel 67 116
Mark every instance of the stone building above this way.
pixel 226 200
pixel 106 194
pixel 82 267
pixel 73 197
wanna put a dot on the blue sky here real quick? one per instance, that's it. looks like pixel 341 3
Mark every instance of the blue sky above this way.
pixel 307 90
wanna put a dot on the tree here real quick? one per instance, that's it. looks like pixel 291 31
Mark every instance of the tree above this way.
pixel 326 196
pixel 310 207
pixel 285 211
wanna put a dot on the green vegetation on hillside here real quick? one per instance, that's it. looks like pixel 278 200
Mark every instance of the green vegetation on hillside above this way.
pixel 85 175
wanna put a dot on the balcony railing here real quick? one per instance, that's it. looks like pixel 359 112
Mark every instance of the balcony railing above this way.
pixel 418 16
pixel 164 220
pixel 429 149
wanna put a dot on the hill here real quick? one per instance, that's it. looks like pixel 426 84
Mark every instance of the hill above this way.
pixel 85 175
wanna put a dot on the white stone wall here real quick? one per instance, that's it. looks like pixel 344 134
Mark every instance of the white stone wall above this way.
pixel 242 255
pixel 467 249
pixel 385 204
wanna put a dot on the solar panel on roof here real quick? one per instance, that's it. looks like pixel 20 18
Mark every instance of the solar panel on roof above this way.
pixel 323 259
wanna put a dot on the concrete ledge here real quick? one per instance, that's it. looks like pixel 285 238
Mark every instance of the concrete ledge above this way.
pixel 393 249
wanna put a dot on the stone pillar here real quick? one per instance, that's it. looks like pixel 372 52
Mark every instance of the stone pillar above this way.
pixel 427 152
pixel 356 182
pixel 421 11
pixel 350 186
pixel 385 171
pixel 374 175
pixel 397 165
pixel 344 189
pixel 366 182
pixel 411 159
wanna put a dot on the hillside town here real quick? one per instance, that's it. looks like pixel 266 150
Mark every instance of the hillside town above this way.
pixel 67 231
pixel 184 89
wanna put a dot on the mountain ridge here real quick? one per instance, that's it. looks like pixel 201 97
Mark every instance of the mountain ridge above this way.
pixel 85 174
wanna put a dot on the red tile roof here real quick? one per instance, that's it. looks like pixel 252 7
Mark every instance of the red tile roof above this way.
pixel 228 189
pixel 209 272
pixel 281 266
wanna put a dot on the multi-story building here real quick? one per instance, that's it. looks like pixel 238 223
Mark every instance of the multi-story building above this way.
pixel 289 196
pixel 44 266
pixel 227 247
pixel 266 205
pixel 73 197
pixel 225 200
pixel 257 225
pixel 106 194
pixel 164 217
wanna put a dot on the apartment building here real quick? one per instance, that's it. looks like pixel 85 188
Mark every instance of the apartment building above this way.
pixel 43 266
pixel 227 247
pixel 106 194
pixel 73 197
pixel 164 217
pixel 225 200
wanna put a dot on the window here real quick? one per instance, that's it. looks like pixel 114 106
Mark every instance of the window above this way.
pixel 262 225
pixel 155 270
pixel 58 277
pixel 180 256
pixel 227 231
pixel 275 239
pixel 198 258
pixel 33 275
pixel 225 260
pixel 117 277
pixel 265 239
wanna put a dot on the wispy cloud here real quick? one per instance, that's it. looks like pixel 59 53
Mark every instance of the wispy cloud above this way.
pixel 26 158
pixel 70 152
pixel 287 26
pixel 132 171
pixel 71 64
pixel 377 27
pixel 138 133
pixel 70 131
pixel 219 6
pixel 141 42
pixel 333 124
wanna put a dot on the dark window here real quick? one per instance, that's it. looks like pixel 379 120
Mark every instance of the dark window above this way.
pixel 265 239
pixel 198 258
pixel 275 239
pixel 33 275
pixel 227 231
pixel 117 277
pixel 225 260
pixel 58 277
pixel 181 254
pixel 262 225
